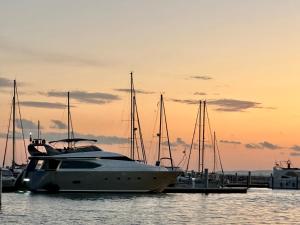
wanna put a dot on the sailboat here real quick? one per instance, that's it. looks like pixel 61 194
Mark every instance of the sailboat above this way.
pixel 15 109
pixel 201 178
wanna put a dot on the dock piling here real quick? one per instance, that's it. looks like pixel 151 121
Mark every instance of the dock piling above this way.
pixel 206 177
pixel 249 179
pixel 0 187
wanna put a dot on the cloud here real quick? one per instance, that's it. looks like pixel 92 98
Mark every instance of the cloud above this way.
pixel 253 146
pixel 263 145
pixel 269 145
pixel 200 93
pixel 233 105
pixel 29 54
pixel 27 124
pixel 295 154
pixel 50 136
pixel 295 148
pixel 5 83
pixel 230 142
pixel 48 105
pixel 184 101
pixel 201 77
pixel 178 142
pixel 86 97
pixel 138 91
pixel 57 124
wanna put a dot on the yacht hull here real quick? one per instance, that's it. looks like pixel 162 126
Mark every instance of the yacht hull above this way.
pixel 101 181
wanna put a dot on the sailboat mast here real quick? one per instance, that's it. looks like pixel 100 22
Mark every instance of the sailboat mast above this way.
pixel 203 137
pixel 199 142
pixel 160 128
pixel 131 117
pixel 68 119
pixel 214 151
pixel 168 138
pixel 38 129
pixel 14 126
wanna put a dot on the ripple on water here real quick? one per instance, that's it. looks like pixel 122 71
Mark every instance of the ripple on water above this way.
pixel 259 206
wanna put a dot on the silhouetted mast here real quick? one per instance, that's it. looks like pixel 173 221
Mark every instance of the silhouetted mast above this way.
pixel 160 129
pixel 214 146
pixel 38 129
pixel 68 119
pixel 163 116
pixel 14 127
pixel 132 117
pixel 199 141
pixel 203 137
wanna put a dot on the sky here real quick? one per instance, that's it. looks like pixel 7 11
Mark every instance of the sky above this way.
pixel 240 56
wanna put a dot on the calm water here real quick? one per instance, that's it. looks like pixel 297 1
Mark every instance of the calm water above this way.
pixel 259 206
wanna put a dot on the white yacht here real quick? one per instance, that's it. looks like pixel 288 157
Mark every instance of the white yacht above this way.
pixel 90 169
pixel 285 176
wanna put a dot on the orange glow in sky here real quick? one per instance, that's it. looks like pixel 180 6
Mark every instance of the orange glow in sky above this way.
pixel 242 57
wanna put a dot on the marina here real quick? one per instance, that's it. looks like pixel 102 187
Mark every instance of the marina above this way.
pixel 149 112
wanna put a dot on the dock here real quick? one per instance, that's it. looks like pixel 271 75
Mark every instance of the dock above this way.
pixel 224 190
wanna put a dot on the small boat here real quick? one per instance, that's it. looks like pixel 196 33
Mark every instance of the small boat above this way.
pixel 285 176
pixel 90 169
pixel 8 180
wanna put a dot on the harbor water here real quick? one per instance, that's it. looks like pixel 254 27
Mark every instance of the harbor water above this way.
pixel 259 206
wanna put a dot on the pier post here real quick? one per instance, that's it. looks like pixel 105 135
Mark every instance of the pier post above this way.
pixel 272 181
pixel 236 178
pixel 249 179
pixel 206 177
pixel 297 182
pixel 0 187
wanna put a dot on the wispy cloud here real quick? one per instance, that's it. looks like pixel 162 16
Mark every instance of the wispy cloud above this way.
pixel 253 146
pixel 184 101
pixel 295 154
pixel 138 91
pixel 5 83
pixel 85 97
pixel 57 124
pixel 27 124
pixel 200 93
pixel 295 148
pixel 263 145
pixel 25 53
pixel 179 142
pixel 201 77
pixel 230 142
pixel 48 105
pixel 104 140
pixel 233 105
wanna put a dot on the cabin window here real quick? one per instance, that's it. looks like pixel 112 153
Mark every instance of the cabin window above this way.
pixel 50 164
pixel 68 164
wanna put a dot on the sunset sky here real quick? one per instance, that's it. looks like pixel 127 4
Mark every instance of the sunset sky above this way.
pixel 241 56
